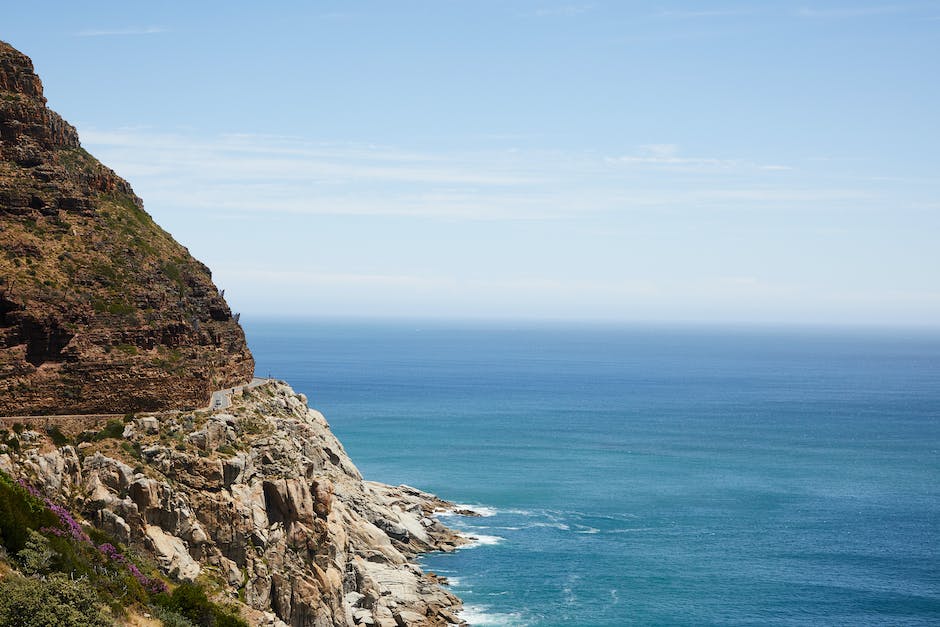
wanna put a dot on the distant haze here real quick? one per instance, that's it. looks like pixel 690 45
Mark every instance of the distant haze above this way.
pixel 668 161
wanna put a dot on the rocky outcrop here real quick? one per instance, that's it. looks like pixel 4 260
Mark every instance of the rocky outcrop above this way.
pixel 262 499
pixel 100 309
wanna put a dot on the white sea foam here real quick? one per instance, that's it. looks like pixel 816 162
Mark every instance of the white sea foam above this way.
pixel 478 539
pixel 479 616
pixel 589 530
pixel 550 525
pixel 631 530
pixel 482 510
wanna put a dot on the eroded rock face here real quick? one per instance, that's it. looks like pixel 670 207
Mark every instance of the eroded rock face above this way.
pixel 269 506
pixel 100 309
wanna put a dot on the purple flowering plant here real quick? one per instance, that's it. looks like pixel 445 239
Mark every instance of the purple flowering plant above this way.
pixel 70 528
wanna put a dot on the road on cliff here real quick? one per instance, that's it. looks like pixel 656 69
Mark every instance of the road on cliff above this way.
pixel 222 399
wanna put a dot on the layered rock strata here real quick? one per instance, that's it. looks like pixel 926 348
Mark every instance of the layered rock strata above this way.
pixel 263 500
pixel 101 310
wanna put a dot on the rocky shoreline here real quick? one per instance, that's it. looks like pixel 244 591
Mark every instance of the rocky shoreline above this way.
pixel 261 500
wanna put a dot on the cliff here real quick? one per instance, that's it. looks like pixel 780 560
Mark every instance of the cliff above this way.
pixel 101 310
pixel 261 501
pixel 177 510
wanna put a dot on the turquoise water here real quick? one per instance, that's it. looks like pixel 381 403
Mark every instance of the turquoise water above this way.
pixel 650 475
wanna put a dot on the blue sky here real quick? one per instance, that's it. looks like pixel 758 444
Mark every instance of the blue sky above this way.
pixel 630 161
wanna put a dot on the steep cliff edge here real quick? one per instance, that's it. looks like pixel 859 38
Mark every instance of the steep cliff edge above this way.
pixel 101 310
pixel 261 500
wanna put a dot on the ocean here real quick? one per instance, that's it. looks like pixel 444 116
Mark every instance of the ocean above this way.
pixel 644 475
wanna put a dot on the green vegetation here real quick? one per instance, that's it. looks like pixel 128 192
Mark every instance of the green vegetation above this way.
pixel 116 307
pixel 57 600
pixel 77 160
pixel 190 601
pixel 19 514
pixel 105 270
pixel 127 349
pixel 132 449
pixel 10 441
pixel 129 204
pixel 120 308
pixel 172 270
pixel 168 360
pixel 55 434
pixel 69 574
pixel 113 429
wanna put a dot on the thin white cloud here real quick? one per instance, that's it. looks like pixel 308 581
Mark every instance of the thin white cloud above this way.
pixel 667 155
pixel 148 30
pixel 263 174
pixel 852 11
pixel 317 277
pixel 283 159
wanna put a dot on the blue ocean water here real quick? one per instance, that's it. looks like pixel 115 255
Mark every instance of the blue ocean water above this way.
pixel 642 475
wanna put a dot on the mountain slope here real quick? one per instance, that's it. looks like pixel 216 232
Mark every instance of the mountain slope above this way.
pixel 101 310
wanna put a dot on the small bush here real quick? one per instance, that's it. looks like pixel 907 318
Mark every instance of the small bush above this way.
pixel 19 513
pixel 190 601
pixel 58 438
pixel 133 450
pixel 170 618
pixel 127 349
pixel 114 429
pixel 56 600
pixel 11 441
pixel 36 557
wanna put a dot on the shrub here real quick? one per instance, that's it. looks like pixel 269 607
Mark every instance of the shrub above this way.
pixel 58 438
pixel 190 601
pixel 62 545
pixel 36 557
pixel 170 618
pixel 132 449
pixel 11 441
pixel 56 600
pixel 114 429
pixel 20 512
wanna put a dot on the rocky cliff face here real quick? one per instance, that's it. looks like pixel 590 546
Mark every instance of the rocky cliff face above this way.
pixel 100 309
pixel 263 501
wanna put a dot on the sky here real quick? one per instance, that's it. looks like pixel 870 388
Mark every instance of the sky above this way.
pixel 676 161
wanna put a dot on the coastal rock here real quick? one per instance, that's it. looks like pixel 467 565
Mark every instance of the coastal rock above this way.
pixel 290 528
pixel 103 316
